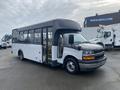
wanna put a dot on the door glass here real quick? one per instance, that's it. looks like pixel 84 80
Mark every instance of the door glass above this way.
pixel 49 44
pixel 37 38
pixel 60 46
pixel 44 44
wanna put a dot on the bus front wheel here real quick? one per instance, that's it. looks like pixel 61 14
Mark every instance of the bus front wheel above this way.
pixel 71 66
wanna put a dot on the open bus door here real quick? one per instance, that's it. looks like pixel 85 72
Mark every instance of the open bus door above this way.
pixel 46 45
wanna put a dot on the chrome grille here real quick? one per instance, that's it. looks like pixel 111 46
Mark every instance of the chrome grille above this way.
pixel 98 51
pixel 99 54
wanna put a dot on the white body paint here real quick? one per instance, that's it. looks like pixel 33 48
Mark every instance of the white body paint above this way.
pixel 72 52
pixel 30 51
pixel 34 52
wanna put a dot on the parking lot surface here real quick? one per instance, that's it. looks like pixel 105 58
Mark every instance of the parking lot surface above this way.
pixel 27 75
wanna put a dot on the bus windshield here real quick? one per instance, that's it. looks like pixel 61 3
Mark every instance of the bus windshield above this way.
pixel 78 38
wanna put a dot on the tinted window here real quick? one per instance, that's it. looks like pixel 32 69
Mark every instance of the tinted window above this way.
pixel 15 36
pixel 31 36
pixel 25 35
pixel 37 38
pixel 107 34
pixel 21 37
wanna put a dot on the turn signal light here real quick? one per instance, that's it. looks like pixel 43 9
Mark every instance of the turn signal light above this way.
pixel 88 58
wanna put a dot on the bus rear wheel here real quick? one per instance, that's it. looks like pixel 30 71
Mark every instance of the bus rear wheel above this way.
pixel 71 66
pixel 21 56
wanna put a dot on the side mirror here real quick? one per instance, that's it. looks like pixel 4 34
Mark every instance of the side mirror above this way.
pixel 71 39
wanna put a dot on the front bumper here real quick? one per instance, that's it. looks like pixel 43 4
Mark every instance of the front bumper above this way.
pixel 91 65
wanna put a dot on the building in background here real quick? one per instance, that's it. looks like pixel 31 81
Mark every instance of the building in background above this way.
pixel 92 23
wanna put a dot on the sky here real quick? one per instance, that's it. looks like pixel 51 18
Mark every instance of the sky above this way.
pixel 19 13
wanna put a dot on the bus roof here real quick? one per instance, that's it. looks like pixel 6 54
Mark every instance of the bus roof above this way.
pixel 56 24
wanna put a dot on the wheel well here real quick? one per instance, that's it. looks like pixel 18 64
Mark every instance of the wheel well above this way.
pixel 69 56
pixel 100 43
pixel 19 51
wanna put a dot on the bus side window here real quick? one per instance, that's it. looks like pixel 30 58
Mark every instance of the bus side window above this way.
pixel 31 36
pixel 25 37
pixel 37 38
pixel 15 36
pixel 21 37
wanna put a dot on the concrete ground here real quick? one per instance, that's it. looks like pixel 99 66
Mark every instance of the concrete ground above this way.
pixel 27 75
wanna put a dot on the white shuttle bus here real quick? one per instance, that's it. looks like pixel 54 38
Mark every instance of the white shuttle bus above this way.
pixel 57 42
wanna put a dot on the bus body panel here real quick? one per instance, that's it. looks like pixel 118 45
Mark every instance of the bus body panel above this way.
pixel 54 53
pixel 71 52
pixel 30 51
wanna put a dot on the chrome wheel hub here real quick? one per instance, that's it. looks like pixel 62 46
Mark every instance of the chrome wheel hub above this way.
pixel 71 66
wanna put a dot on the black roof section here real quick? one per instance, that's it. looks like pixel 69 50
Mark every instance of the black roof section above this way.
pixel 105 19
pixel 56 24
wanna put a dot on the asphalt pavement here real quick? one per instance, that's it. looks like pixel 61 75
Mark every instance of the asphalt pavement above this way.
pixel 28 75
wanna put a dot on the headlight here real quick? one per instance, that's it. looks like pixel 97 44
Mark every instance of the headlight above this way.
pixel 88 52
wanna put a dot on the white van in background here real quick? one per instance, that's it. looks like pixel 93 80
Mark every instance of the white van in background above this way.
pixel 6 41
pixel 108 36
pixel 3 44
pixel 9 43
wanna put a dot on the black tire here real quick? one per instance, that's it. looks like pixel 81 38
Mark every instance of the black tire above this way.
pixel 21 56
pixel 5 48
pixel 71 66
